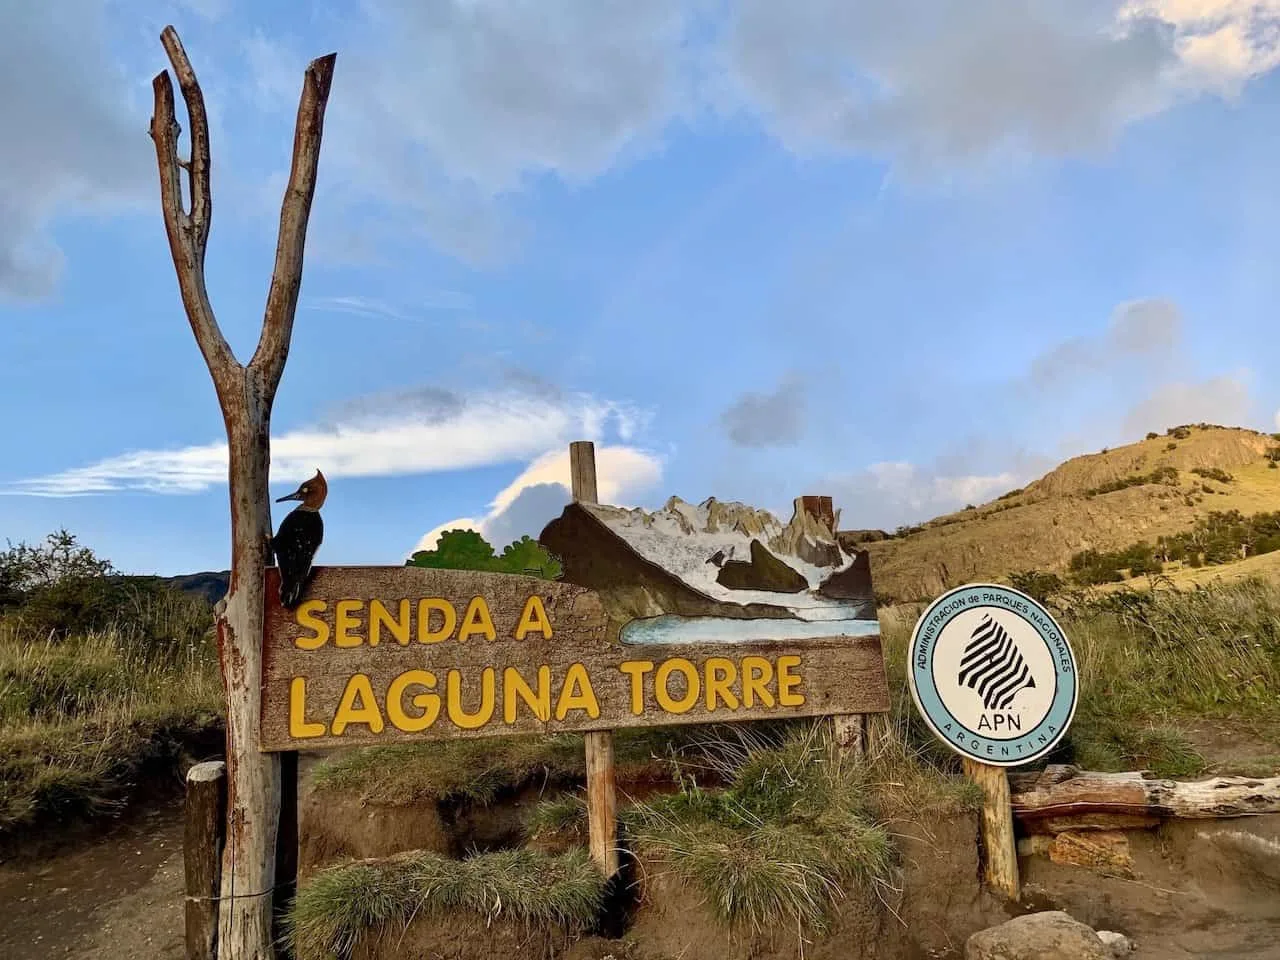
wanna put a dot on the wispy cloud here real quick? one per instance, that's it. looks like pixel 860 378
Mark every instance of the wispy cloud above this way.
pixel 477 430
pixel 374 309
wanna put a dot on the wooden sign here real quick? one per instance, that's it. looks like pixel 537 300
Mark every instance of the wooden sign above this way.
pixel 392 654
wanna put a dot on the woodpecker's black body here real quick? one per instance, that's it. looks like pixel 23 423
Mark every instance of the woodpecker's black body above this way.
pixel 298 538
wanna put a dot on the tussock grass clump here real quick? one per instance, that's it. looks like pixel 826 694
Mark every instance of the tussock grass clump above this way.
pixel 561 814
pixel 1210 651
pixel 477 771
pixel 778 845
pixel 78 716
pixel 338 906
pixel 1148 660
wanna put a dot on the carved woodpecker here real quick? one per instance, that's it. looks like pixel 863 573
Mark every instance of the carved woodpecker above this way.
pixel 296 542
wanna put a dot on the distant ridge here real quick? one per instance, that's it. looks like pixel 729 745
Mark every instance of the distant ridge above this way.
pixel 212 585
pixel 1101 501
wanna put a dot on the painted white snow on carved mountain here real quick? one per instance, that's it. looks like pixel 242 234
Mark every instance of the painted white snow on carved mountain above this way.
pixel 692 542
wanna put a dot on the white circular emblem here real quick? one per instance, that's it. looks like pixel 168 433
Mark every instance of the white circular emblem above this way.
pixel 992 674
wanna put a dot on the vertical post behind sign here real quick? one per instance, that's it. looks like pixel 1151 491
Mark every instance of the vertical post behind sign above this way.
pixel 601 798
pixel 1001 864
pixel 202 840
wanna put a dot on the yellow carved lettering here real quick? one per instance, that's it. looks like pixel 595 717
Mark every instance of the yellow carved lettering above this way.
pixel 477 620
pixel 533 619
pixel 429 605
pixel 358 705
pixel 470 721
pixel 305 616
pixel 787 680
pixel 636 669
pixel 427 703
pixel 721 675
pixel 398 627
pixel 298 725
pixel 662 692
pixel 576 694
pixel 514 685
pixel 346 619
pixel 756 674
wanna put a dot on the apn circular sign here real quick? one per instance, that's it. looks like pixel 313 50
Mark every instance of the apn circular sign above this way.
pixel 993 674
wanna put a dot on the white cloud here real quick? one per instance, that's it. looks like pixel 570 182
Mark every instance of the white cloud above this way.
pixel 442 110
pixel 932 80
pixel 1224 400
pixel 69 144
pixel 429 431
pixel 1222 43
pixel 1148 329
pixel 543 488
pixel 371 308
pixel 887 495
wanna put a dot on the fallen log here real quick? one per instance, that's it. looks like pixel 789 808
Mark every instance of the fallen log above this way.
pixel 1082 795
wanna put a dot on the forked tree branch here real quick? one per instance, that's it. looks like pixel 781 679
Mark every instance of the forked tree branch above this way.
pixel 189 231
pixel 201 194
pixel 295 210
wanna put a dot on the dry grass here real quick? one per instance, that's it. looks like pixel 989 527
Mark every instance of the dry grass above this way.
pixel 340 905
pixel 1148 660
pixel 477 771
pixel 78 717
pixel 780 844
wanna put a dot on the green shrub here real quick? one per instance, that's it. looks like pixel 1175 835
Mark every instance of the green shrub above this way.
pixel 1037 584
pixel 468 550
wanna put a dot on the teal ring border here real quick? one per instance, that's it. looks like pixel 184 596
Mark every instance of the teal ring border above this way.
pixel 1065 699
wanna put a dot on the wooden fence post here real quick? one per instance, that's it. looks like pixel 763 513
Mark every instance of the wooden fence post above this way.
pixel 1000 866
pixel 286 851
pixel 202 839
pixel 849 733
pixel 602 801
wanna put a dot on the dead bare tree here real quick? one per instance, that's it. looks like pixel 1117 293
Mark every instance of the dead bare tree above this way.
pixel 245 394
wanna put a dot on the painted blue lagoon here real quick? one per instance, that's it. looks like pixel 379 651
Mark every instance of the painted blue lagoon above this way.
pixel 671 629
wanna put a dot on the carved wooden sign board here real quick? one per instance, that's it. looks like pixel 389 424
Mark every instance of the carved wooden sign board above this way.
pixel 393 654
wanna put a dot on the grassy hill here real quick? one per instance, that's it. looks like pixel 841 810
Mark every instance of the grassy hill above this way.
pixel 1106 501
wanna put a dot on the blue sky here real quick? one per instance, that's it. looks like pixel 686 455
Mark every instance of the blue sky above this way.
pixel 910 255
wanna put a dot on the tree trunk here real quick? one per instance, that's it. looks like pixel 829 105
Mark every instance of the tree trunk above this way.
pixel 253 778
pixel 1132 794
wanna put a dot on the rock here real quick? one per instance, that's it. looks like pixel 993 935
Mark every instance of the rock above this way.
pixel 1051 935
pixel 851 583
pixel 820 553
pixel 1117 943
pixel 1104 850
pixel 763 572
pixel 594 556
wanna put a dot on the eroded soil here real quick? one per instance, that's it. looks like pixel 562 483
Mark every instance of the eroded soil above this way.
pixel 113 896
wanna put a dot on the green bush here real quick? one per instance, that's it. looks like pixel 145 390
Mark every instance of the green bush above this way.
pixel 468 550
pixel 60 589
pixel 1037 584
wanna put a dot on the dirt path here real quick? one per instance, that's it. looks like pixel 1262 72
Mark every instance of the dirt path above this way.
pixel 118 896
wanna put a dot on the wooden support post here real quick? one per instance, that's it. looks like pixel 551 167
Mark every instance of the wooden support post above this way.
pixel 203 835
pixel 602 802
pixel 286 851
pixel 848 733
pixel 1000 853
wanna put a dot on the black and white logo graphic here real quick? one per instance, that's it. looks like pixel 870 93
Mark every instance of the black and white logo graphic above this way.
pixel 993 665
pixel 993 674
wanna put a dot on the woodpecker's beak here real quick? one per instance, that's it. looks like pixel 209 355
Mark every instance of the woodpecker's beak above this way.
pixel 296 495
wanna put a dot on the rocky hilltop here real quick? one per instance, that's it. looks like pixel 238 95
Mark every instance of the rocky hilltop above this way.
pixel 1159 486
